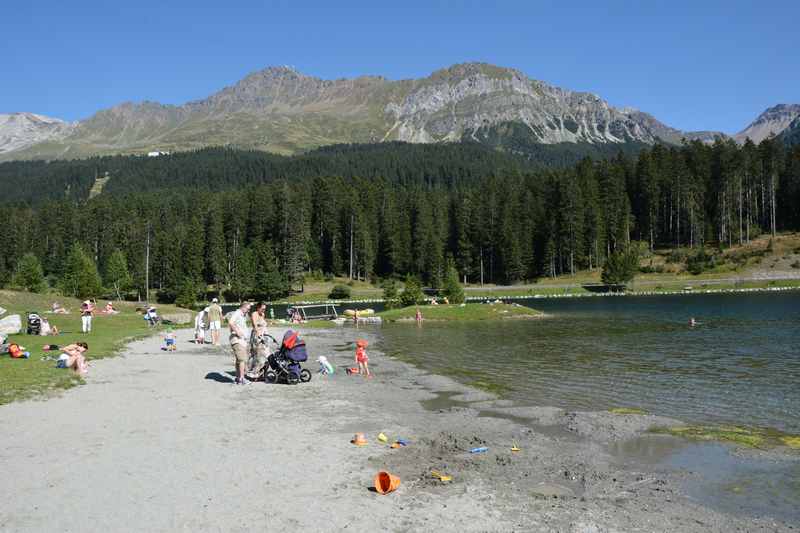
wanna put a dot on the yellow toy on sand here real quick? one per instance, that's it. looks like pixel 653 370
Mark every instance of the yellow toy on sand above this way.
pixel 440 476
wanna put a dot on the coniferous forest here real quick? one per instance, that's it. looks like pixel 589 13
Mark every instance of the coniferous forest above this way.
pixel 251 222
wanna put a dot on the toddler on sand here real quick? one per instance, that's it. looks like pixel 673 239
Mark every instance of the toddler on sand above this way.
pixel 169 341
pixel 362 359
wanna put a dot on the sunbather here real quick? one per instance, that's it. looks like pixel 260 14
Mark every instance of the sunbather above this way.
pixel 72 356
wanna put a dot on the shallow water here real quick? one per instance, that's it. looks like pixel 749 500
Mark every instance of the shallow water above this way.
pixel 741 365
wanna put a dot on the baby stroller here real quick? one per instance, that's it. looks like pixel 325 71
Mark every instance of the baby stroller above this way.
pixel 34 323
pixel 283 365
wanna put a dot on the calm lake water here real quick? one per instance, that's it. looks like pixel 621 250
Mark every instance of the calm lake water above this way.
pixel 741 365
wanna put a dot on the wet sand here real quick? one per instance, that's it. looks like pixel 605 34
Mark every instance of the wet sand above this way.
pixel 162 441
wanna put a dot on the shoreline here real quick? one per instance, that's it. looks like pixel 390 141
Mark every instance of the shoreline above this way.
pixel 163 438
pixel 532 296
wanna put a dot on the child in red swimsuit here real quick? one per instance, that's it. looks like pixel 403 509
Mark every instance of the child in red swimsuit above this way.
pixel 362 359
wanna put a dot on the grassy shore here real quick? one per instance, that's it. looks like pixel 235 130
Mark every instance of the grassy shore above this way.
pixel 27 378
pixel 764 263
pixel 463 312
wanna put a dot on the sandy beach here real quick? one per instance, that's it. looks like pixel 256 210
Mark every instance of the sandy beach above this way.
pixel 159 441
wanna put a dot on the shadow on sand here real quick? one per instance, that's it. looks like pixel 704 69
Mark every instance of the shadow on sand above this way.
pixel 221 378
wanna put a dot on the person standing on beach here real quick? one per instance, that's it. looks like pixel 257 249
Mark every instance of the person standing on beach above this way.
pixel 87 311
pixel 237 323
pixel 257 348
pixel 214 320
pixel 362 360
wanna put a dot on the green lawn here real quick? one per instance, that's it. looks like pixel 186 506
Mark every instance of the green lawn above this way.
pixel 461 312
pixel 26 378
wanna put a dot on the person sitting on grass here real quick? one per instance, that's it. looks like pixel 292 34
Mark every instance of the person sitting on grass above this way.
pixel 151 316
pixel 57 309
pixel 109 309
pixel 72 356
pixel 46 328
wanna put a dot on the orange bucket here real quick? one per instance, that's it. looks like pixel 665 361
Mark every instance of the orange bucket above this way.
pixel 386 482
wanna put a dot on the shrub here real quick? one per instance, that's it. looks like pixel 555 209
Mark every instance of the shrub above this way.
pixel 700 262
pixel 796 264
pixel 340 292
pixel 166 296
pixel 678 255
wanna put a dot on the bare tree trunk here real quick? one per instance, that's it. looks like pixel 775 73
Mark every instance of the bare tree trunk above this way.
pixel 352 218
pixel 772 194
pixel 740 211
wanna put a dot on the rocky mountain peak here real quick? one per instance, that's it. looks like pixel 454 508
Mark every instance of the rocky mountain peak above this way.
pixel 20 130
pixel 773 121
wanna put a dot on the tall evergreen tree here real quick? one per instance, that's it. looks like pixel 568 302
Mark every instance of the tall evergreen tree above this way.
pixel 28 274
pixel 80 277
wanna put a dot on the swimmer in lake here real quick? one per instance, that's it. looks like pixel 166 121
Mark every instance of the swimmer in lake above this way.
pixel 692 322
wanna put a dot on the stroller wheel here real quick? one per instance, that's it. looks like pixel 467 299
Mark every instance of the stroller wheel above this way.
pixel 305 375
pixel 270 377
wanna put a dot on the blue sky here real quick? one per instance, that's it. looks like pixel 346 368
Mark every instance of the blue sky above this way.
pixel 694 65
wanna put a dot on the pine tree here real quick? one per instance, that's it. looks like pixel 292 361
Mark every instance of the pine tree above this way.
pixel 192 260
pixel 621 266
pixel 214 253
pixel 452 289
pixel 28 274
pixel 390 300
pixel 412 293
pixel 243 278
pixel 187 293
pixel 80 277
pixel 270 284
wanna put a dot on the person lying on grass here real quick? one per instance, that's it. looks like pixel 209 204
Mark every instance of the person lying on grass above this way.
pixel 72 356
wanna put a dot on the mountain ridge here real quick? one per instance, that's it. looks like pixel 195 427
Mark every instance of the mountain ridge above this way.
pixel 282 110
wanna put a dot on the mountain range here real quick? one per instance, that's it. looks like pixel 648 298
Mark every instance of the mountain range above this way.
pixel 281 110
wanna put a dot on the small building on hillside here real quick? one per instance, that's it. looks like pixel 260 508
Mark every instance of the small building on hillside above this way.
pixel 156 154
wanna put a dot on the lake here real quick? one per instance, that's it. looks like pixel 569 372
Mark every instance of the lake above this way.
pixel 740 365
